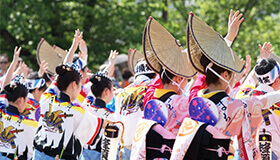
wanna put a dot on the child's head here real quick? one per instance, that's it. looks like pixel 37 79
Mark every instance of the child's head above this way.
pixel 102 87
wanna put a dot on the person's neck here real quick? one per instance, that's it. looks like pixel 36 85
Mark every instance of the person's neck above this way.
pixel 69 94
pixel 17 106
pixel 4 71
pixel 170 87
pixel 103 99
pixel 213 87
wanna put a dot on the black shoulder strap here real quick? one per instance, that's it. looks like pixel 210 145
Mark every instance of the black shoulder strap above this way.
pixel 164 97
pixel 216 98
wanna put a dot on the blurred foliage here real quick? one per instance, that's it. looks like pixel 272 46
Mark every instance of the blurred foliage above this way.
pixel 118 24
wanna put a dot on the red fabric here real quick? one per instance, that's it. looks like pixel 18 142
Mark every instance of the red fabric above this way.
pixel 156 84
pixel 198 85
pixel 99 126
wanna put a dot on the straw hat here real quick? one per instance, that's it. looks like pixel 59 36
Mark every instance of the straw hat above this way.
pixel 52 56
pixel 202 39
pixel 162 49
pixel 275 57
pixel 133 57
pixel 59 50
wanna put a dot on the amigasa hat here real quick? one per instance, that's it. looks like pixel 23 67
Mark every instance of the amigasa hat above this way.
pixel 202 39
pixel 52 55
pixel 133 57
pixel 161 49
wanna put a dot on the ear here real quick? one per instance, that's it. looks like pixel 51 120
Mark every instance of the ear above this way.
pixel 177 79
pixel 225 75
pixel 107 91
pixel 73 84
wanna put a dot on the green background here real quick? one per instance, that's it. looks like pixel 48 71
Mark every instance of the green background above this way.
pixel 118 24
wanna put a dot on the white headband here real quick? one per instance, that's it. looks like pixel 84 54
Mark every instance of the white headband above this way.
pixel 269 77
pixel 34 83
pixel 142 68
pixel 80 63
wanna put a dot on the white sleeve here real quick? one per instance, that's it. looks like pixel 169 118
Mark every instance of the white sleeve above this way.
pixel 88 128
pixel 272 98
pixel 228 42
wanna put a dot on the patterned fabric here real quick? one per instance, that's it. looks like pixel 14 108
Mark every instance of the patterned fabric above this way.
pixel 270 116
pixel 64 127
pixel 241 117
pixel 129 107
pixel 17 133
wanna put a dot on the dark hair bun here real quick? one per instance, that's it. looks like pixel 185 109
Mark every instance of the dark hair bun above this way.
pixel 61 69
pixel 8 88
pixel 94 79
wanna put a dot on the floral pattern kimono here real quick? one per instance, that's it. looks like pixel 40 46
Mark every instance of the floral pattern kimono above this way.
pixel 241 117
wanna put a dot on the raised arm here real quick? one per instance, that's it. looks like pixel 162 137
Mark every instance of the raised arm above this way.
pixel 43 68
pixel 11 68
pixel 77 38
pixel 234 22
pixel 111 66
pixel 83 54
pixel 265 52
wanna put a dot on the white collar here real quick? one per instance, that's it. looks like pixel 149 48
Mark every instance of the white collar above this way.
pixel 30 96
pixel 264 87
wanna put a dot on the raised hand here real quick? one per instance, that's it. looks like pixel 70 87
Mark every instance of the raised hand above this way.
pixel 234 22
pixel 248 64
pixel 43 68
pixel 83 50
pixel 77 37
pixel 16 53
pixel 113 56
pixel 265 50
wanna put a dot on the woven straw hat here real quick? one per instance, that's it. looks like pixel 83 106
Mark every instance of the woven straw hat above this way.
pixel 52 55
pixel 202 39
pixel 275 57
pixel 133 57
pixel 162 49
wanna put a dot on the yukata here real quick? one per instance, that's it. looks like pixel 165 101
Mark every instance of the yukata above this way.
pixel 129 108
pixel 241 117
pixel 64 128
pixel 17 133
pixel 145 146
pixel 177 110
pixel 271 119
pixel 98 108
pixel 32 109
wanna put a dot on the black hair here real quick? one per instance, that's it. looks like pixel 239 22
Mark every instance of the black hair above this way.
pixel 211 78
pixel 66 75
pixel 47 77
pixel 265 66
pixel 126 74
pixel 35 75
pixel 15 91
pixel 164 78
pixel 150 75
pixel 99 83
pixel 75 58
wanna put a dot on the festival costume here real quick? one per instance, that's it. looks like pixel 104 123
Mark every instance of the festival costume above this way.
pixel 32 109
pixel 270 117
pixel 177 110
pixel 63 127
pixel 129 109
pixel 17 133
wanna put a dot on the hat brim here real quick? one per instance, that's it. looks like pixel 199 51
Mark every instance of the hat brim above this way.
pixel 54 57
pixel 203 40
pixel 165 50
pixel 133 57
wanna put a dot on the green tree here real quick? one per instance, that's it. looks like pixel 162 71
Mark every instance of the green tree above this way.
pixel 118 24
